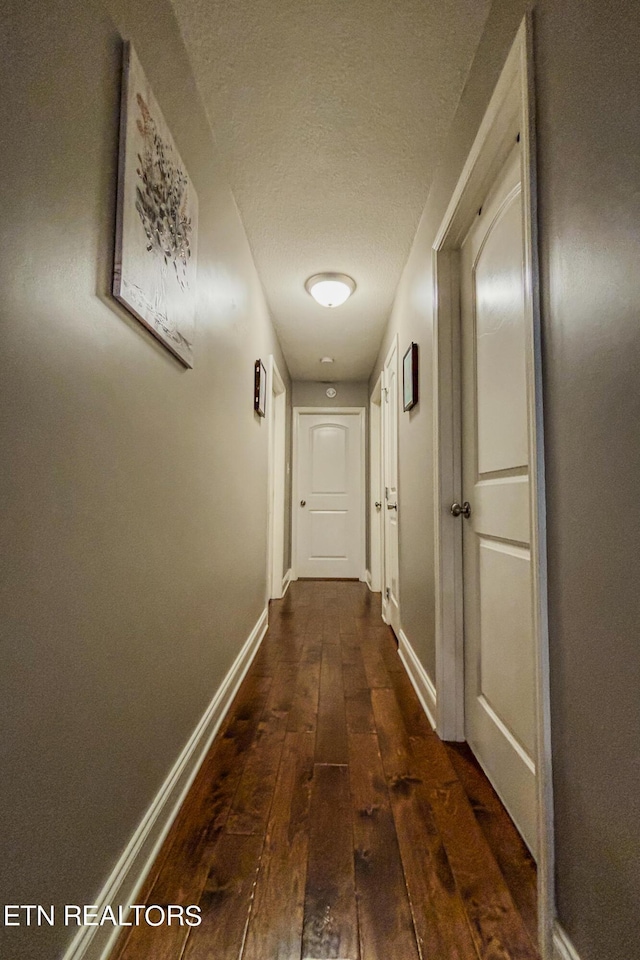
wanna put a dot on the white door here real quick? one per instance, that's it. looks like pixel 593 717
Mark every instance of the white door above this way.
pixel 329 502
pixel 498 633
pixel 390 602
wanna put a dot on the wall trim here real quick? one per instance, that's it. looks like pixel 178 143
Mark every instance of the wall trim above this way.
pixel 128 875
pixel 420 679
pixel 286 580
pixel 367 579
pixel 563 949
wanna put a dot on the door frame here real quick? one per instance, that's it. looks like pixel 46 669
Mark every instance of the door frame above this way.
pixel 276 472
pixel 393 345
pixel 510 111
pixel 376 527
pixel 358 412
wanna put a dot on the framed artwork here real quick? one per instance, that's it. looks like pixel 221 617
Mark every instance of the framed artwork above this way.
pixel 260 389
pixel 154 274
pixel 410 377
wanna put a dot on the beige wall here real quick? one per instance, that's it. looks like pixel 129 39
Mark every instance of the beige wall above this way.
pixel 133 566
pixel 587 87
pixel 412 320
pixel 588 92
pixel 312 393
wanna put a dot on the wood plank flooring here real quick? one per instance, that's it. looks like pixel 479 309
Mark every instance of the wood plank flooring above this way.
pixel 329 821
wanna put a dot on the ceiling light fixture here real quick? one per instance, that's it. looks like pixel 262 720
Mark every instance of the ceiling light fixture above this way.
pixel 330 289
pixel 326 360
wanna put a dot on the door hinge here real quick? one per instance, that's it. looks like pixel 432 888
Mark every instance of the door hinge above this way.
pixel 388 593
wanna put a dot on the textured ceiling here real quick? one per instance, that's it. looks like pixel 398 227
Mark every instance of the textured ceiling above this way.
pixel 329 115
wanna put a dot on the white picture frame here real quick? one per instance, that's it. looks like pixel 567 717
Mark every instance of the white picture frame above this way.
pixel 155 260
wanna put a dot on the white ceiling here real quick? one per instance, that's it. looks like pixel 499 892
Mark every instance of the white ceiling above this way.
pixel 330 115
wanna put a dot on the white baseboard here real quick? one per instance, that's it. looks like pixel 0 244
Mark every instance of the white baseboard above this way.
pixel 367 579
pixel 563 949
pixel 419 677
pixel 128 875
pixel 286 580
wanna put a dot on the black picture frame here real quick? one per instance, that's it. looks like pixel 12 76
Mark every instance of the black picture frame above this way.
pixel 260 389
pixel 410 377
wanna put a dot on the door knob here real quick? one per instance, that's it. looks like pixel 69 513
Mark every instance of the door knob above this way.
pixel 461 511
pixel 378 505
pixel 303 503
pixel 392 506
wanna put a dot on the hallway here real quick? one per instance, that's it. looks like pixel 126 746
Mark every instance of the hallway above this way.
pixel 469 170
pixel 328 820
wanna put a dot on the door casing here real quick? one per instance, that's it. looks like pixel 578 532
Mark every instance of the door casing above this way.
pixel 390 614
pixel 376 530
pixel 277 415
pixel 359 412
pixel 510 112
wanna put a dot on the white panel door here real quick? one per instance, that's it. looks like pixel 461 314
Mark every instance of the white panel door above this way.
pixel 329 489
pixel 499 650
pixel 390 600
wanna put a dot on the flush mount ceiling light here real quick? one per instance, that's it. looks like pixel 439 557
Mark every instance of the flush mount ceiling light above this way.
pixel 330 289
pixel 326 360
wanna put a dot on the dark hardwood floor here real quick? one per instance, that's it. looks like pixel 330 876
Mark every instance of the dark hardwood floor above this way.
pixel 329 821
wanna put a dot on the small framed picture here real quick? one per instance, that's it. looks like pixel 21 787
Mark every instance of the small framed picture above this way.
pixel 410 377
pixel 260 389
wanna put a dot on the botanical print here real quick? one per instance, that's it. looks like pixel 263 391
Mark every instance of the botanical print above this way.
pixel 155 264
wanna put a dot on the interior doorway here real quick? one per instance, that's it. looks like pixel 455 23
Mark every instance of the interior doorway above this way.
pixel 375 489
pixel 390 506
pixel 499 663
pixel 328 503
pixel 277 414
pixel 490 506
